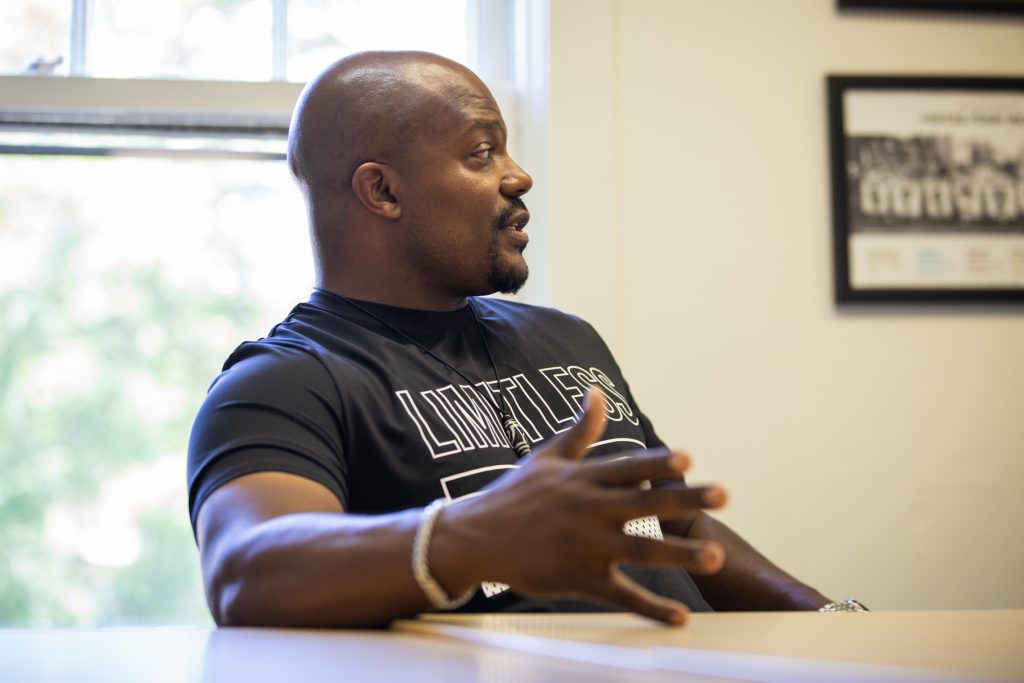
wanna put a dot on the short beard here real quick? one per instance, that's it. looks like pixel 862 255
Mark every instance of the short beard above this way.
pixel 503 277
pixel 507 280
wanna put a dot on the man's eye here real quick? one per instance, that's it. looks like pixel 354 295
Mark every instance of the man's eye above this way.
pixel 485 153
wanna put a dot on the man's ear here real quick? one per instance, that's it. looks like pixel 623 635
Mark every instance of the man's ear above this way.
pixel 373 184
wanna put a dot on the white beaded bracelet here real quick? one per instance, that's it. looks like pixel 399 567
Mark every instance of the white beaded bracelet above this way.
pixel 420 567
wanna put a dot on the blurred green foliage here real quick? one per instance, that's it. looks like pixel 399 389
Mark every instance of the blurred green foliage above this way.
pixel 60 448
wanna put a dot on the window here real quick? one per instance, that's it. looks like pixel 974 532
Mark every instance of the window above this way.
pixel 239 40
pixel 35 36
pixel 118 301
pixel 148 224
pixel 316 29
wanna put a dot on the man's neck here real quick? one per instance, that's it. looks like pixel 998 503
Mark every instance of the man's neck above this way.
pixel 405 296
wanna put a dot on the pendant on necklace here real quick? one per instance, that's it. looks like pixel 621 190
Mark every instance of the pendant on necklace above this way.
pixel 516 435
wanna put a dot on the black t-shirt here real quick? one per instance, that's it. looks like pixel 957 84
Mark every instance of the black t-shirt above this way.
pixel 334 395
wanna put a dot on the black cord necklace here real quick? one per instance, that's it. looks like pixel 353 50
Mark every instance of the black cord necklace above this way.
pixel 513 430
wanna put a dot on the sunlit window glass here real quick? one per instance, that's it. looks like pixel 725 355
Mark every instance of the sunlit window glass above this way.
pixel 126 282
pixel 35 36
pixel 321 31
pixel 208 39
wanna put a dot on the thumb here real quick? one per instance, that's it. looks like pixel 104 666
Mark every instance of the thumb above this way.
pixel 573 444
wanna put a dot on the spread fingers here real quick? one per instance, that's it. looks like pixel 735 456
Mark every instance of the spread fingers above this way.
pixel 666 502
pixel 618 589
pixel 626 470
pixel 697 557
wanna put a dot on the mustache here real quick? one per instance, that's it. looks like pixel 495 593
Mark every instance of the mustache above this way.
pixel 506 212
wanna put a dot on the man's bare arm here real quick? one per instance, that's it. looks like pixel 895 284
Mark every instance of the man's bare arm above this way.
pixel 278 549
pixel 747 581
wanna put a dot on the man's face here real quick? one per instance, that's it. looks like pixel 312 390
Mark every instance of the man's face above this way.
pixel 460 195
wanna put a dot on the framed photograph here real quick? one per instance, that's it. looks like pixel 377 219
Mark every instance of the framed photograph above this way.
pixel 927 188
pixel 970 6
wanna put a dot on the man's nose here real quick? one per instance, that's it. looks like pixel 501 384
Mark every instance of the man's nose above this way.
pixel 516 182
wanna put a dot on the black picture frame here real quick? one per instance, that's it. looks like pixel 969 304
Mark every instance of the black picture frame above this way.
pixel 927 188
pixel 960 6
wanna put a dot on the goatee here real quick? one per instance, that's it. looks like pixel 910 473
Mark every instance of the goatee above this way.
pixel 507 278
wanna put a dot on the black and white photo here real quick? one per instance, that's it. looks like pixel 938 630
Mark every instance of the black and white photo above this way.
pixel 928 188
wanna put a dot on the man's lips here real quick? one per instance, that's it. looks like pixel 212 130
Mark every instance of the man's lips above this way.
pixel 518 221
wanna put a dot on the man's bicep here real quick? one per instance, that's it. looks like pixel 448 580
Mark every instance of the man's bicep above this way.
pixel 244 502
pixel 275 412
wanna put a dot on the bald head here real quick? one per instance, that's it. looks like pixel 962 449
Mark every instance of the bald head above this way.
pixel 369 107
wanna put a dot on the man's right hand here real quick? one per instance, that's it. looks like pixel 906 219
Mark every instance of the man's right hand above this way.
pixel 554 525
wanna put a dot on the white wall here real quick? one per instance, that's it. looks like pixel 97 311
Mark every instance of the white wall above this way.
pixel 876 453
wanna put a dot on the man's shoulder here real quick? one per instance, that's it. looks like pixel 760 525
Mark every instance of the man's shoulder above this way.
pixel 529 327
pixel 516 311
pixel 274 361
pixel 274 350
pixel 303 339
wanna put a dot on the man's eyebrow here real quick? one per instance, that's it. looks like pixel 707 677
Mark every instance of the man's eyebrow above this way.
pixel 487 124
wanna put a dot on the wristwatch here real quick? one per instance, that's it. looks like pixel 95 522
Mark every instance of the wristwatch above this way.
pixel 848 605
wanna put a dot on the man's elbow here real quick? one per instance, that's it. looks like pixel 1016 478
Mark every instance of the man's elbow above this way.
pixel 235 593
pixel 247 601
pixel 227 607
pixel 255 590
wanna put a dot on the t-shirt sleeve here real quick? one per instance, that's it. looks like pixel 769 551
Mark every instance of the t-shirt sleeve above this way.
pixel 651 438
pixel 276 408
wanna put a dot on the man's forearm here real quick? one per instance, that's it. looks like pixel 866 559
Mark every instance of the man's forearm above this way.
pixel 748 581
pixel 317 569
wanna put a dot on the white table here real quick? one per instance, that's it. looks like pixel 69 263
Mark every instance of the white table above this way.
pixel 974 646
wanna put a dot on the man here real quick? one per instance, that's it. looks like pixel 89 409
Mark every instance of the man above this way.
pixel 317 448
